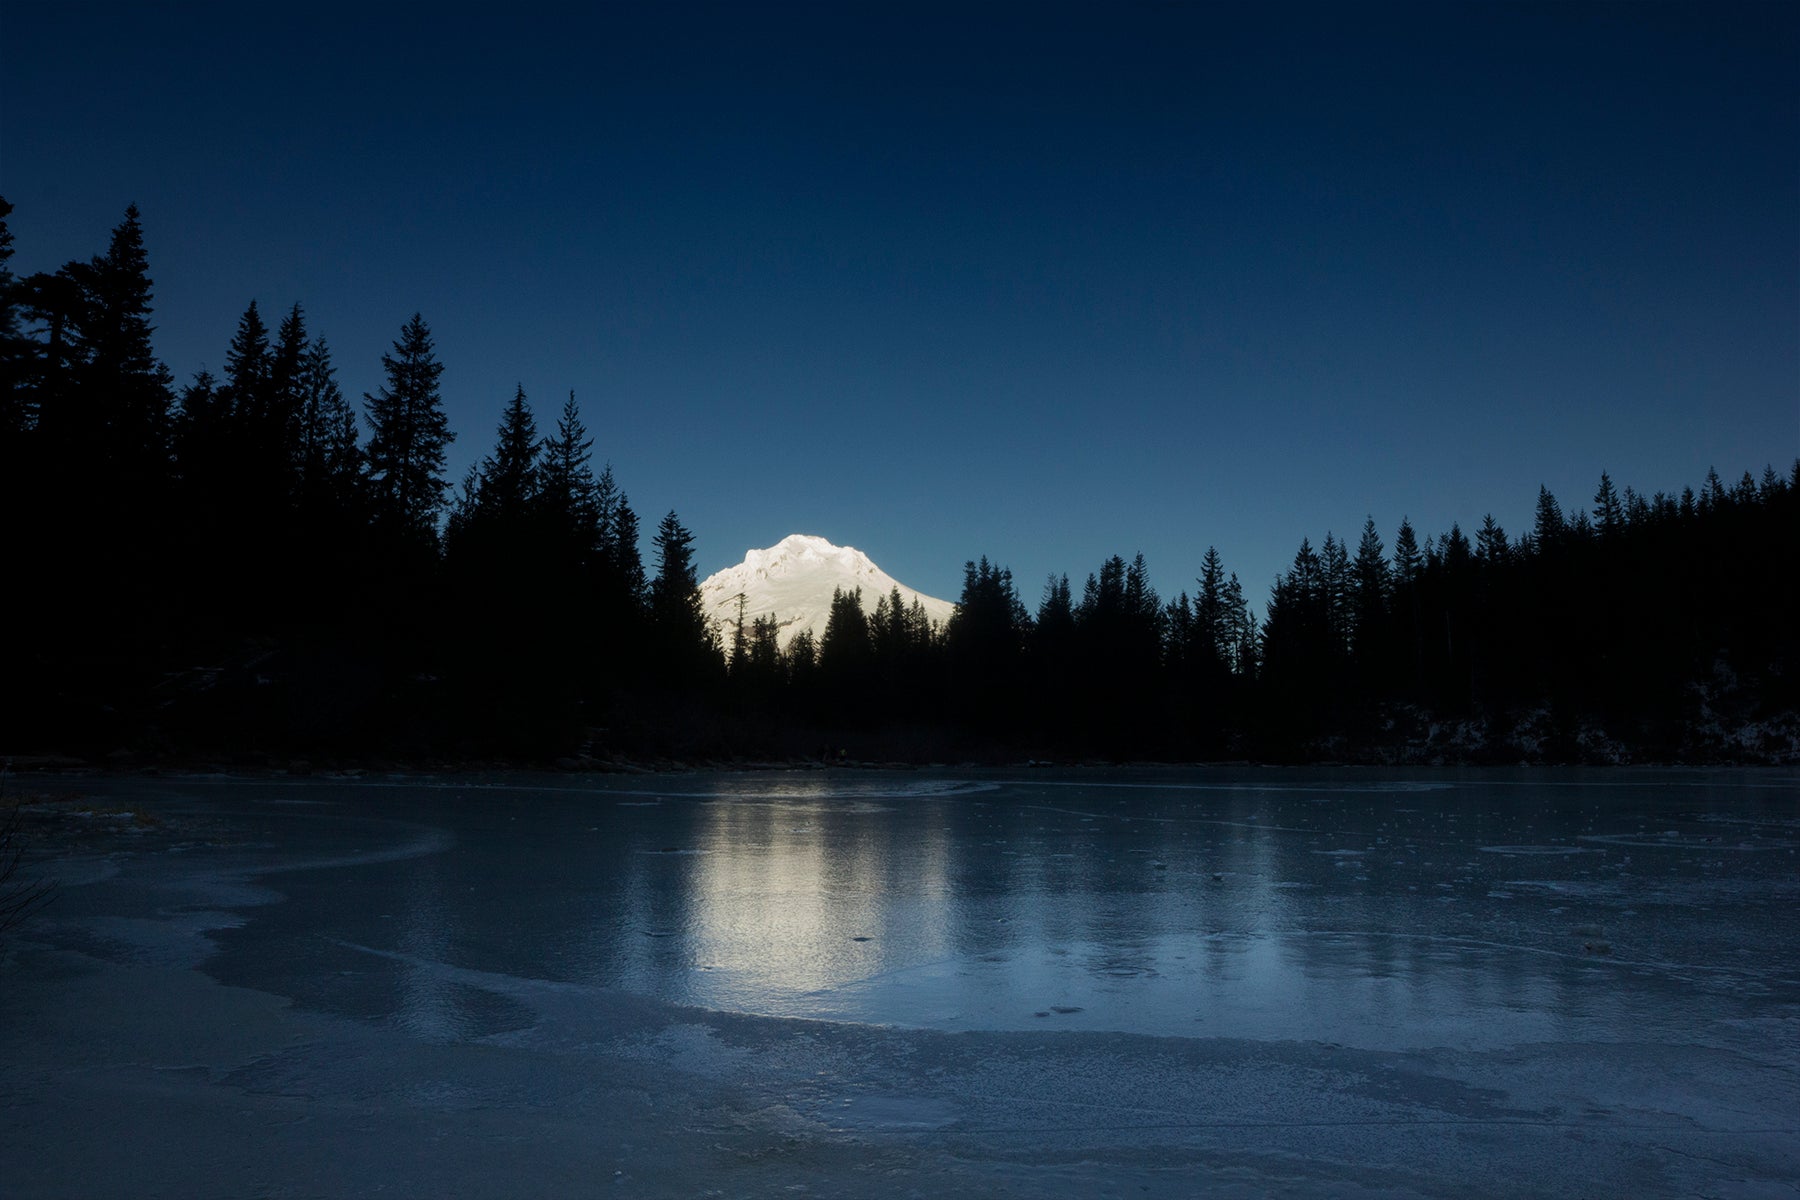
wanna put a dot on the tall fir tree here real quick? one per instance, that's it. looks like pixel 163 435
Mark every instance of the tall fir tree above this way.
pixel 628 561
pixel 571 504
pixel 510 476
pixel 846 655
pixel 1609 512
pixel 408 435
pixel 1547 527
pixel 330 454
pixel 282 434
pixel 1372 583
pixel 127 387
pixel 683 635
pixel 248 371
pixel 1210 634
pixel 1491 545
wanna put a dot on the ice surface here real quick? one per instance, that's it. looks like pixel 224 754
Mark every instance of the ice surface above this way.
pixel 1133 983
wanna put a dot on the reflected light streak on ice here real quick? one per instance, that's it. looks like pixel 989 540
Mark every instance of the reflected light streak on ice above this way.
pixel 426 1010
pixel 805 895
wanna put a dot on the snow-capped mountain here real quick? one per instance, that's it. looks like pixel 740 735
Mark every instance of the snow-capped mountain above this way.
pixel 794 579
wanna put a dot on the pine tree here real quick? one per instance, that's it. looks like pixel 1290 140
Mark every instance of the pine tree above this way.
pixel 1712 492
pixel 569 489
pixel 247 372
pixel 1053 632
pixel 1334 564
pixel 1372 583
pixel 1490 543
pixel 509 476
pixel 1211 638
pixel 408 433
pixel 676 614
pixel 49 403
pixel 1181 648
pixel 282 433
pixel 740 641
pixel 259 446
pixel 844 648
pixel 330 458
pixel 1245 661
pixel 1407 562
pixel 988 630
pixel 121 367
pixel 1548 528
pixel 198 418
pixel 1609 514
pixel 1408 604
pixel 1771 486
pixel 1744 494
pixel 108 400
pixel 763 655
pixel 628 562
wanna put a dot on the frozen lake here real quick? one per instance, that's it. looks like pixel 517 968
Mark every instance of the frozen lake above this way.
pixel 1147 982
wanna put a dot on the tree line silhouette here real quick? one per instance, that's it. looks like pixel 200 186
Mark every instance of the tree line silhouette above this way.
pixel 253 564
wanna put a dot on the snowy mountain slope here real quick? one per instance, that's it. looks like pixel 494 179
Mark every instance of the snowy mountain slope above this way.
pixel 794 580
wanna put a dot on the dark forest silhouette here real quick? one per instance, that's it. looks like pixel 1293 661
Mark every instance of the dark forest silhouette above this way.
pixel 251 565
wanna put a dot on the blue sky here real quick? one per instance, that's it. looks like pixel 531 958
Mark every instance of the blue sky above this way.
pixel 1038 282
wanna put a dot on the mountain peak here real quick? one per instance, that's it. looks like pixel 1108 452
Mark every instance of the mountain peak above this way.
pixel 794 580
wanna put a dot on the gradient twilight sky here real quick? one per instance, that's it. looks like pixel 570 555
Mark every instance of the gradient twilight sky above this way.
pixel 1040 282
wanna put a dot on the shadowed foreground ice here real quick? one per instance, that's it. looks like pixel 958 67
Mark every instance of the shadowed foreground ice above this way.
pixel 1043 984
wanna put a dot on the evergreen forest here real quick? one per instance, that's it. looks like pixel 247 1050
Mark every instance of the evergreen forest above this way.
pixel 255 567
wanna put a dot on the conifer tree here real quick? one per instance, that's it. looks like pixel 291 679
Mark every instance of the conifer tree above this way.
pixel 509 476
pixel 1548 528
pixel 1712 492
pixel 628 562
pixel 846 650
pixel 1745 491
pixel 1609 513
pixel 1334 565
pixel 115 341
pixel 330 457
pixel 408 433
pixel 675 609
pixel 1407 562
pixel 1056 611
pixel 763 655
pixel 1052 638
pixel 1372 583
pixel 1246 662
pixel 1181 648
pixel 199 420
pixel 247 372
pixel 282 434
pixel 988 630
pixel 1210 629
pixel 122 396
pixel 1490 543
pixel 740 641
pixel 570 490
